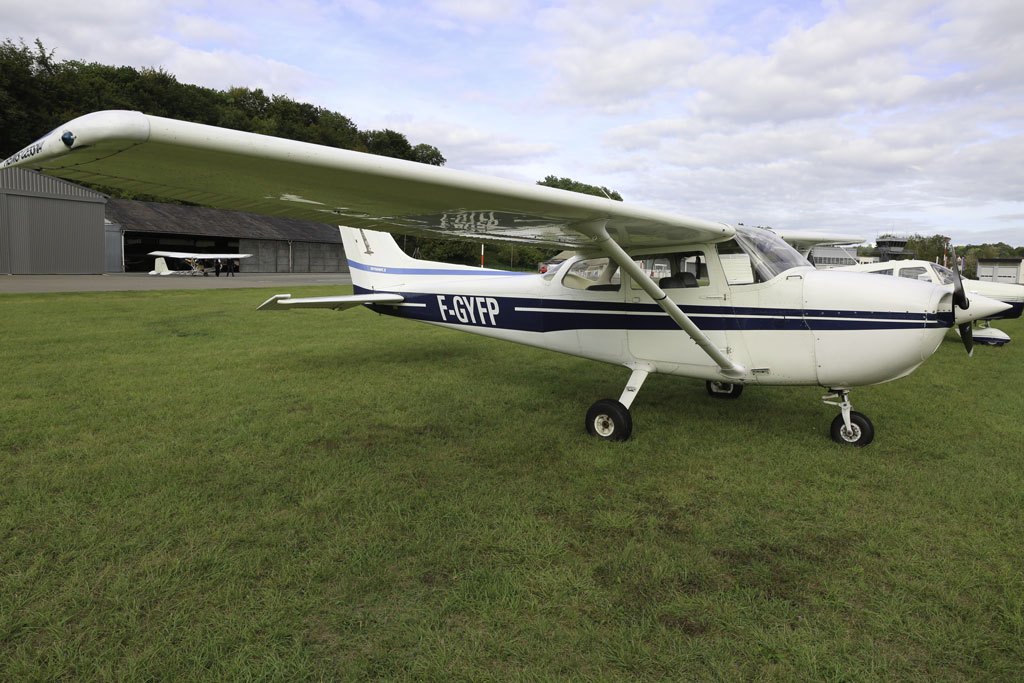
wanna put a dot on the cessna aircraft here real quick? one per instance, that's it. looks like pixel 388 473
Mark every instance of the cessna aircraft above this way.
pixel 194 261
pixel 648 290
pixel 926 271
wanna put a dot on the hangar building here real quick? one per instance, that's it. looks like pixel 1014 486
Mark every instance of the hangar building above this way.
pixel 1006 270
pixel 48 225
pixel 51 226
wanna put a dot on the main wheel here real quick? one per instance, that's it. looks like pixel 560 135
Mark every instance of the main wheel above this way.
pixel 723 389
pixel 861 431
pixel 610 420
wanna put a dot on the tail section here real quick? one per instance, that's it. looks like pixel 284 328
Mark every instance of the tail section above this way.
pixel 160 267
pixel 376 262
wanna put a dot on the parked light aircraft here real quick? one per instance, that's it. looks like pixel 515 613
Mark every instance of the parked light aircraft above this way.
pixel 926 271
pixel 648 290
pixel 195 262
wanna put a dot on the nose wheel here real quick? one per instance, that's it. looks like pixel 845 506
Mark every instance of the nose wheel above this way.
pixel 849 427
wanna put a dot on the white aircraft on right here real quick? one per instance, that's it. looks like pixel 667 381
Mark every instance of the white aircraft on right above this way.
pixel 927 271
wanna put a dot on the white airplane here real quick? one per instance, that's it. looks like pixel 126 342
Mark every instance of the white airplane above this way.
pixel 195 262
pixel 926 271
pixel 733 306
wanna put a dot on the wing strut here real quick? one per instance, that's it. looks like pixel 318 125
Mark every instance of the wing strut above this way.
pixel 729 368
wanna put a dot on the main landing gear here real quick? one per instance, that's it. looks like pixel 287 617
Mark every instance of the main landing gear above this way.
pixel 849 427
pixel 723 389
pixel 610 419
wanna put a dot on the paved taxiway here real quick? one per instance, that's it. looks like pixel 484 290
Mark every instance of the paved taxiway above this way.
pixel 123 282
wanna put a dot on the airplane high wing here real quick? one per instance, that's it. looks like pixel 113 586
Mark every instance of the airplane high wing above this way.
pixel 231 169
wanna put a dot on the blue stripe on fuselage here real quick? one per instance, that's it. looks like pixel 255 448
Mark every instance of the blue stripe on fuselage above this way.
pixel 552 315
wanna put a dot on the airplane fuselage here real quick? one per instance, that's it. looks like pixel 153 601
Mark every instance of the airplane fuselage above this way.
pixel 804 327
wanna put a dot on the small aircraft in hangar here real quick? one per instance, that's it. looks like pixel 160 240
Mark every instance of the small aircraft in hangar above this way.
pixel 649 290
pixel 195 261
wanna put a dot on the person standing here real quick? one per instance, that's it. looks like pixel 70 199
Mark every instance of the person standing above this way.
pixel 216 268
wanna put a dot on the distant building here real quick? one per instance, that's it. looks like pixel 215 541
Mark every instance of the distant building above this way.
pixel 51 226
pixel 278 245
pixel 893 248
pixel 832 257
pixel 1005 270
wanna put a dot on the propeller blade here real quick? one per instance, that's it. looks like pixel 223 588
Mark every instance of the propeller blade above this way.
pixel 967 336
pixel 960 299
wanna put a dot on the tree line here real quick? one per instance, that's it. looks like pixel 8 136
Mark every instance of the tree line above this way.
pixel 38 93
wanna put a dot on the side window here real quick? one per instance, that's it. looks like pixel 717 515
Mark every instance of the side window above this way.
pixel 915 273
pixel 736 264
pixel 596 274
pixel 887 271
pixel 680 270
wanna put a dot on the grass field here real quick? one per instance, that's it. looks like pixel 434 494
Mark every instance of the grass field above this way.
pixel 194 490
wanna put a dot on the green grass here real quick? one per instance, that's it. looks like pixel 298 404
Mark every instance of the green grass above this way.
pixel 191 489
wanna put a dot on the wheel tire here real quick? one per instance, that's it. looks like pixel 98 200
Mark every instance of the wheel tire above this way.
pixel 609 420
pixel 861 434
pixel 723 389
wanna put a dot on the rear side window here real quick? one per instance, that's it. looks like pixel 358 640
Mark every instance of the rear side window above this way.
pixel 680 270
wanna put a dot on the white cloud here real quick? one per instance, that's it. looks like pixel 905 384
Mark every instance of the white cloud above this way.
pixel 468 148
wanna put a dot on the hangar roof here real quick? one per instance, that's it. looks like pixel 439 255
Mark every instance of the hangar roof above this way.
pixel 19 181
pixel 193 220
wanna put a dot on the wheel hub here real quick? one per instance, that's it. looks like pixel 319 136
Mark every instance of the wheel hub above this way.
pixel 851 434
pixel 604 425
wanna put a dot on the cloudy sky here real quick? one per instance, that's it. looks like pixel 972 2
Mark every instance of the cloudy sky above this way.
pixel 851 117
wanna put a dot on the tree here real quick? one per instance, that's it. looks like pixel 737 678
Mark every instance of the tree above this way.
pixel 25 114
pixel 427 154
pixel 928 248
pixel 387 143
pixel 576 186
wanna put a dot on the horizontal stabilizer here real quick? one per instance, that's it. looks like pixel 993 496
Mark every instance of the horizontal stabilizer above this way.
pixel 283 302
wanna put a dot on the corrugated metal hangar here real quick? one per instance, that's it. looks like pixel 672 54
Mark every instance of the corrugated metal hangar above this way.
pixel 48 225
pixel 51 226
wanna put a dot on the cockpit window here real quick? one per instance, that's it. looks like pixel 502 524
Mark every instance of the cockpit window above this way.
pixel 551 268
pixel 595 274
pixel 946 276
pixel 757 255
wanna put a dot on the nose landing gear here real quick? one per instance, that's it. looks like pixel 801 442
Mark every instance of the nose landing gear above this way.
pixel 849 427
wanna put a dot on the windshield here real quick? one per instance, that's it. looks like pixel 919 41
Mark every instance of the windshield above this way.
pixel 769 254
pixel 946 275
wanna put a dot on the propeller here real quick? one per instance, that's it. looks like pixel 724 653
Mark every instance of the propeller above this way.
pixel 961 301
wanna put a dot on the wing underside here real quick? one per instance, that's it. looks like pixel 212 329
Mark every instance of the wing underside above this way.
pixel 231 169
